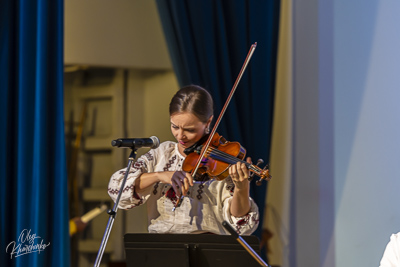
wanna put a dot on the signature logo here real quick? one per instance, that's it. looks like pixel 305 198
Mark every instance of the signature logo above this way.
pixel 26 243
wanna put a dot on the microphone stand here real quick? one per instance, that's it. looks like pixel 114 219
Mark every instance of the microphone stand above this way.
pixel 113 212
pixel 244 244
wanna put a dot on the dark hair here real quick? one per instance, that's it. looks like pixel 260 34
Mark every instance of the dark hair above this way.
pixel 193 99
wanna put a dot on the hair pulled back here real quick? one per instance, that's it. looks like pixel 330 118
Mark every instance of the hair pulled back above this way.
pixel 193 99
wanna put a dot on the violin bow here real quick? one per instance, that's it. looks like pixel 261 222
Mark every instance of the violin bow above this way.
pixel 228 100
pixel 213 131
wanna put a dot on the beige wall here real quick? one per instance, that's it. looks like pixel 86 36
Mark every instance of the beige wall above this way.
pixel 278 197
pixel 122 33
pixel 145 112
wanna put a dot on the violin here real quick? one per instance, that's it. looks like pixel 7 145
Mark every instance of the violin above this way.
pixel 214 157
pixel 217 159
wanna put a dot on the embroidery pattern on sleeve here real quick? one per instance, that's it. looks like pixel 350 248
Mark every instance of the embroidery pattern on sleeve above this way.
pixel 137 204
pixel 149 156
pixel 116 191
pixel 246 219
pixel 170 163
pixel 170 193
pixel 138 165
pixel 155 188
pixel 242 222
pixel 200 191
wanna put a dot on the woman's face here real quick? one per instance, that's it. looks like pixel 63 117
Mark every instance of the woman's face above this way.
pixel 187 129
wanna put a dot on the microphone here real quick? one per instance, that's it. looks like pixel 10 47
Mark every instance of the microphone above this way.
pixel 152 142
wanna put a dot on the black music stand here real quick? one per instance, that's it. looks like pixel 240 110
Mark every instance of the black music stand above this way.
pixel 188 250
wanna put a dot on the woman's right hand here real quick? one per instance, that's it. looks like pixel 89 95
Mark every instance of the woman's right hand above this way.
pixel 180 181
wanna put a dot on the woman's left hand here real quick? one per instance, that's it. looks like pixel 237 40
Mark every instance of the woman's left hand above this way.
pixel 240 174
pixel 240 204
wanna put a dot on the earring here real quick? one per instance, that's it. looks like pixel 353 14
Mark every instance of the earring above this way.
pixel 207 131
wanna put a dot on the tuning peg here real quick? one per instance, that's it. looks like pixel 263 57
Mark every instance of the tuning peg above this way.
pixel 259 182
pixel 259 161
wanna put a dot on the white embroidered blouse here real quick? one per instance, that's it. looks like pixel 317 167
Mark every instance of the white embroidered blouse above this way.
pixel 204 209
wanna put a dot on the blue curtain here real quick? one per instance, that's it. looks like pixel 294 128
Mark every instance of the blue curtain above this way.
pixel 208 41
pixel 33 175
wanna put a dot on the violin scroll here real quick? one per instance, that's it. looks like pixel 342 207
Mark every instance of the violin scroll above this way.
pixel 264 175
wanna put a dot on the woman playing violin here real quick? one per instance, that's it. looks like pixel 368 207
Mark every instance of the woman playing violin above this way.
pixel 157 178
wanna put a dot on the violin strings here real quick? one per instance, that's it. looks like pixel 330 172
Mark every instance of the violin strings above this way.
pixel 225 156
pixel 232 159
